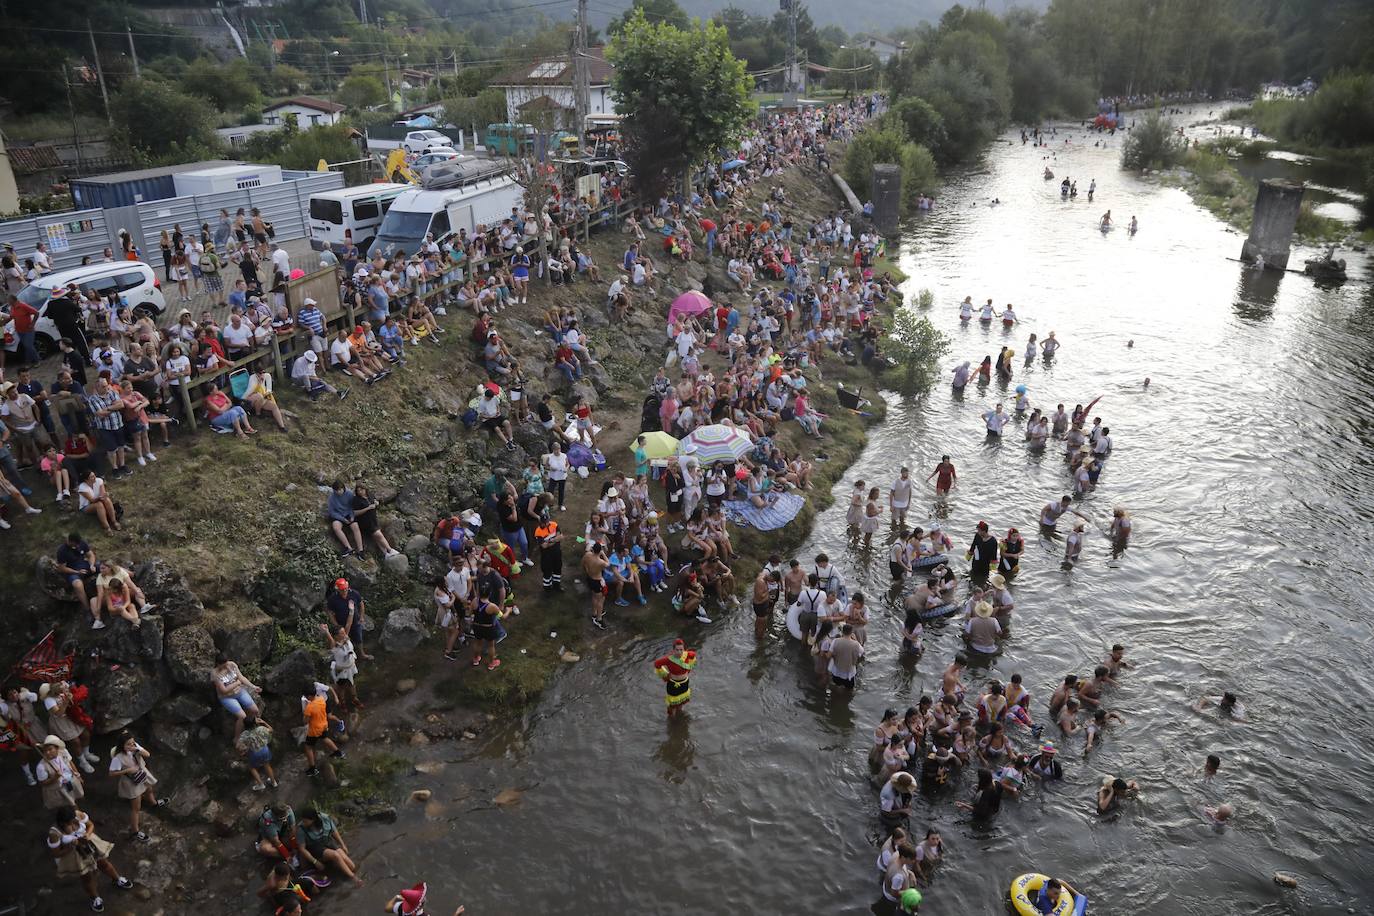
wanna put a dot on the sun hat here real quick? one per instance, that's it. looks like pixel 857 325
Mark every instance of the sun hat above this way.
pixel 1048 749
pixel 998 580
pixel 982 609
pixel 612 493
pixel 311 356
pixel 53 741
pixel 308 301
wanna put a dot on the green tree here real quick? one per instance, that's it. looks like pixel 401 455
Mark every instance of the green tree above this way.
pixel 889 145
pixel 229 87
pixel 359 91
pixel 487 107
pixel 921 123
pixel 683 94
pixel 916 347
pixel 664 11
pixel 1152 144
pixel 157 120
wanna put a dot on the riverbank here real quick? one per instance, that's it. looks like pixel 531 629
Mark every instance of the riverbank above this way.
pixel 249 580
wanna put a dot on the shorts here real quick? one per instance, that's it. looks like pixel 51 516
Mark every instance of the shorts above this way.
pixel 896 569
pixel 596 586
pixel 239 703
pixel 260 757
pixel 111 440
pixel 843 681
pixel 764 609
pixel 312 740
pixel 493 423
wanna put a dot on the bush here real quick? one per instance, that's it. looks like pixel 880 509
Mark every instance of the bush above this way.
pixel 889 145
pixel 920 122
pixel 161 123
pixel 916 347
pixel 1152 144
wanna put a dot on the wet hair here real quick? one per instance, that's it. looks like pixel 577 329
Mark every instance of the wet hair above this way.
pixel 1118 647
pixel 925 701
pixel 1100 671
pixel 984 779
pixel 889 714
pixel 895 741
pixel 822 558
pixel 1228 699
pixel 1016 678
pixel 1070 680
pixel 1214 761
pixel 1100 716
pixel 960 659
pixel 794 564
pixel 858 598
pixel 1054 885
pixel 1119 784
pixel 995 688
pixel 1072 703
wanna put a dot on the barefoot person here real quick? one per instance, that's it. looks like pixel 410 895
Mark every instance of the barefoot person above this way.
pixel 675 669
pixel 945 477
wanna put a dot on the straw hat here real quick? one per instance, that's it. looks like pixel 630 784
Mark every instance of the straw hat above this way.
pixel 982 609
pixel 997 580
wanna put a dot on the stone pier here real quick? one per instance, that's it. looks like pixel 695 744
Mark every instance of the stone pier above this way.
pixel 887 197
pixel 1271 231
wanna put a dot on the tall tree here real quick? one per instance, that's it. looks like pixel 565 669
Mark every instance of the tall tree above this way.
pixel 683 94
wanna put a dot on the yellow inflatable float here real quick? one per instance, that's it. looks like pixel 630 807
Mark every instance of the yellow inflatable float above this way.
pixel 1026 888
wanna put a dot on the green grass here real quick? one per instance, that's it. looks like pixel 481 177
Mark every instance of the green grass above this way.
pixel 39 128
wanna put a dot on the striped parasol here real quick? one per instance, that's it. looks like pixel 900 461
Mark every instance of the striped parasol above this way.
pixel 716 442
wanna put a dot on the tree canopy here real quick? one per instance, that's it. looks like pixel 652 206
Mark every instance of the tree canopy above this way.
pixel 683 95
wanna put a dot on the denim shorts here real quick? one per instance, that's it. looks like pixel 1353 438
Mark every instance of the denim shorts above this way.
pixel 239 703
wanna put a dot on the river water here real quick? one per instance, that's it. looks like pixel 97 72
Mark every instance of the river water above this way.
pixel 1246 465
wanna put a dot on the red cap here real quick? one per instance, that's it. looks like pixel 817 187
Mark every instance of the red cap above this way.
pixel 341 584
pixel 358 329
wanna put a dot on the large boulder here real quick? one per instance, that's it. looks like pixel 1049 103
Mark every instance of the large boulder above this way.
pixel 415 545
pixel 51 582
pixel 127 692
pixel 584 390
pixel 165 587
pixel 125 643
pixel 287 593
pixel 531 436
pixel 415 498
pixel 190 654
pixel 404 630
pixel 243 633
pixel 171 738
pixel 428 567
pixel 291 676
pixel 398 564
pixel 184 707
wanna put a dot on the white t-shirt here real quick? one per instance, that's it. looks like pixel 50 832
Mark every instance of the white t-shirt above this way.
pixel 175 365
pixel 995 421
pixel 89 493
pixel 237 337
pixel 557 465
pixel 458 581
pixel 685 341
pixel 340 353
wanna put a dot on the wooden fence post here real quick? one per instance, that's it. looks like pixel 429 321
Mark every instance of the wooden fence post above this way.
pixel 190 415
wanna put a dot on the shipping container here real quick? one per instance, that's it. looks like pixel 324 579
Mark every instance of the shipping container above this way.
pixel 125 189
pixel 223 179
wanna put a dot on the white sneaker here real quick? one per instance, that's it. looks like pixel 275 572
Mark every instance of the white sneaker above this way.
pixel 85 765
pixel 142 462
pixel 97 624
pixel 28 776
pixel 90 755
pixel 701 616
pixel 34 510
pixel 67 494
pixel 152 457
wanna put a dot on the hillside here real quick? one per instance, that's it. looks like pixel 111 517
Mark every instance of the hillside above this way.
pixel 857 15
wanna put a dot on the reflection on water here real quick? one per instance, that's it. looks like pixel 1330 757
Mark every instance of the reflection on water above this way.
pixel 1246 465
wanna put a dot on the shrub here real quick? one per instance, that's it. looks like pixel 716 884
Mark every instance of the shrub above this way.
pixel 916 347
pixel 889 145
pixel 1151 144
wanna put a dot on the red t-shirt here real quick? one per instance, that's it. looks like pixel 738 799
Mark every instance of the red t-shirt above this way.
pixel 25 316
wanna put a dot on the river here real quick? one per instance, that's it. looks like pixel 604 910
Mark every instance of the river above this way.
pixel 1247 467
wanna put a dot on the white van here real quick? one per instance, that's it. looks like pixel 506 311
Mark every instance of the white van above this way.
pixel 484 193
pixel 134 282
pixel 358 209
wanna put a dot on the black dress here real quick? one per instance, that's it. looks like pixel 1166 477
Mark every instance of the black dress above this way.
pixel 367 521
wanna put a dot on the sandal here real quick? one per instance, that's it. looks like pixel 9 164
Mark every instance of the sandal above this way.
pixel 161 803
pixel 494 664
pixel 476 660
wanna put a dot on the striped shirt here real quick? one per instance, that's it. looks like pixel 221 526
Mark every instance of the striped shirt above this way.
pixel 313 319
pixel 95 401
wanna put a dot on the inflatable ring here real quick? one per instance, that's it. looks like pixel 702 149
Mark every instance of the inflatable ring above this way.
pixel 930 561
pixel 1026 887
pixel 794 620
pixel 935 613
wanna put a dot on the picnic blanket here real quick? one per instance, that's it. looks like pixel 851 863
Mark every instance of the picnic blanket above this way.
pixel 783 510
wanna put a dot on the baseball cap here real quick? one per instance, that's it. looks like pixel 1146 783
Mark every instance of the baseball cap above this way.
pixel 340 584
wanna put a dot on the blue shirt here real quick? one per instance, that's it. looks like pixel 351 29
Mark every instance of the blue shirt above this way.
pixel 238 298
pixel 629 261
pixel 390 334
pixel 732 320
pixel 381 303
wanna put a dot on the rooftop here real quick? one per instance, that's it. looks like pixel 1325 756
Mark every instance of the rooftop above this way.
pixel 306 101
pixel 557 71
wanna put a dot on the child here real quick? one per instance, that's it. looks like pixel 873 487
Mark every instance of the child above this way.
pixel 315 712
pixel 343 666
pixel 255 744
pixel 52 466
pixel 1098 726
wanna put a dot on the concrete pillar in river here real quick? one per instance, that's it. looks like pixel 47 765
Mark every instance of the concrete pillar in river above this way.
pixel 887 196
pixel 1276 213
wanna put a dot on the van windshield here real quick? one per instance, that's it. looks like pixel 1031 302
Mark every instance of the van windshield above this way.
pixel 329 211
pixel 405 224
pixel 34 295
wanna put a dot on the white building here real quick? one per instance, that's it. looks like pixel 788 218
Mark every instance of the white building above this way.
pixel 237 136
pixel 308 112
pixel 884 48
pixel 547 85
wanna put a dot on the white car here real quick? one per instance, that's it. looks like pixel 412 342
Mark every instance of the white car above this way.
pixel 134 282
pixel 424 141
pixel 438 154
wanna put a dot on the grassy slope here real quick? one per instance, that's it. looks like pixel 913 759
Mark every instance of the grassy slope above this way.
pixel 225 511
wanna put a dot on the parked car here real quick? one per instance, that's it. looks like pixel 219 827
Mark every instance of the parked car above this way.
pixel 134 282
pixel 438 154
pixel 423 141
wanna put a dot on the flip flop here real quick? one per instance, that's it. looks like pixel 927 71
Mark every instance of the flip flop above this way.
pixel 476 660
pixel 494 664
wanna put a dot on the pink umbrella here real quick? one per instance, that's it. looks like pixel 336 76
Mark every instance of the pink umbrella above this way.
pixel 692 302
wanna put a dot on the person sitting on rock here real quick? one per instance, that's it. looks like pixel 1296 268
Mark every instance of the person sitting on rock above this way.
pixel 321 838
pixel 76 562
pixel 108 573
pixel 493 418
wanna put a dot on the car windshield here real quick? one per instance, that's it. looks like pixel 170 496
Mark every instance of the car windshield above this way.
pixel 405 224
pixel 34 295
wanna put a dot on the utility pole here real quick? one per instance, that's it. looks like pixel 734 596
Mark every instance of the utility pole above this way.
pixel 100 74
pixel 133 54
pixel 582 90
pixel 386 72
pixel 790 82
pixel 71 110
pixel 362 11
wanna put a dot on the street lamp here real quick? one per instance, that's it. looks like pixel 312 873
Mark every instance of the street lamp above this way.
pixel 853 67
